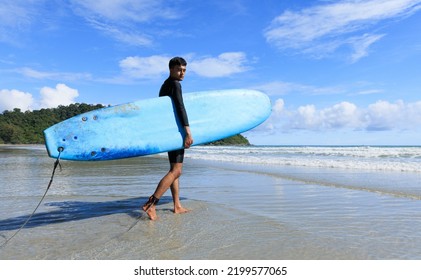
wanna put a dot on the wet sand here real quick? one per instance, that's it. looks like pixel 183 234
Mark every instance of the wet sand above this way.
pixel 238 212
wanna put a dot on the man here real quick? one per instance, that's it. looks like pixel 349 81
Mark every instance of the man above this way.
pixel 172 88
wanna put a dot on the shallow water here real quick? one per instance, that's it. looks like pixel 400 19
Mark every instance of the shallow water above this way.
pixel 239 210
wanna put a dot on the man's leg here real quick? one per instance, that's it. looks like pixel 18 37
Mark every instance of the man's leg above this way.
pixel 178 209
pixel 163 186
pixel 168 180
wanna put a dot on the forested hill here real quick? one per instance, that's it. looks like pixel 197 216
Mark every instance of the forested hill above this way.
pixel 17 127
pixel 236 140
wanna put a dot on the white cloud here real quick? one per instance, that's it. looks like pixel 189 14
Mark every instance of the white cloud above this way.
pixel 324 28
pixel 49 98
pixel 384 115
pixel 145 67
pixel 10 99
pixel 379 116
pixel 369 91
pixel 361 45
pixel 342 115
pixel 124 35
pixel 126 21
pixel 278 107
pixel 118 18
pixel 16 16
pixel 126 10
pixel 60 95
pixel 151 67
pixel 225 64
pixel 283 88
pixel 14 13
pixel 64 76
pixel 278 111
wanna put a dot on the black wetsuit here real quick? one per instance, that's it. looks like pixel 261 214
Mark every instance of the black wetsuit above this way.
pixel 172 88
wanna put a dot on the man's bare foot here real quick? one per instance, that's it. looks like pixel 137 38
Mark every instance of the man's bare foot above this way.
pixel 150 211
pixel 180 210
pixel 149 207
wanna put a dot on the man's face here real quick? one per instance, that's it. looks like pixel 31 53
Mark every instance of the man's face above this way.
pixel 178 72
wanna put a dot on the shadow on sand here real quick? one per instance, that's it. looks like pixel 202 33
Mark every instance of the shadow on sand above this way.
pixel 78 210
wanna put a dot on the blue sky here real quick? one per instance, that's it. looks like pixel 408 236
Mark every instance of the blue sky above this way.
pixel 337 72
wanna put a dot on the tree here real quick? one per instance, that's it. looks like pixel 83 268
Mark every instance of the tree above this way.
pixel 236 140
pixel 17 127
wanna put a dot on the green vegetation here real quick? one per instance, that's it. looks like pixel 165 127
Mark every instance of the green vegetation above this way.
pixel 17 127
pixel 236 140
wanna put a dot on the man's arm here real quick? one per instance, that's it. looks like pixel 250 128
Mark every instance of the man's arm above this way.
pixel 177 98
pixel 182 114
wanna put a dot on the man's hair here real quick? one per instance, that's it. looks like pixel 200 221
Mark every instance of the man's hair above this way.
pixel 177 61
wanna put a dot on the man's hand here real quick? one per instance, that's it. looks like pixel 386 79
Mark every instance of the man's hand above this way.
pixel 188 140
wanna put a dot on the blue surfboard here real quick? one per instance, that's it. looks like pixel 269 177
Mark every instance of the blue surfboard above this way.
pixel 151 126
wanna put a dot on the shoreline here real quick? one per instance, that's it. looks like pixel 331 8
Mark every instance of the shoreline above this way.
pixel 239 212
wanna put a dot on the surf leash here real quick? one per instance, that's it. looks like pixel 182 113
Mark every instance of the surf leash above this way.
pixel 56 163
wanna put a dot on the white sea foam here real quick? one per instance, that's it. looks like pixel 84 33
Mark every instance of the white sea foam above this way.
pixel 406 159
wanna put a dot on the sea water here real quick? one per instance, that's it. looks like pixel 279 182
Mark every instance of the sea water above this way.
pixel 247 203
pixel 384 169
pixel 407 159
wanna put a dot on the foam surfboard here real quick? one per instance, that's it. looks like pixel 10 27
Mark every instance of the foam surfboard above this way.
pixel 151 126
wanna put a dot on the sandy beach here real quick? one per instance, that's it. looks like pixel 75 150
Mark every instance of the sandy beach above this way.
pixel 239 211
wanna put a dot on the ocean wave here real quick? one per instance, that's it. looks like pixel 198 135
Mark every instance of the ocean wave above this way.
pixel 402 159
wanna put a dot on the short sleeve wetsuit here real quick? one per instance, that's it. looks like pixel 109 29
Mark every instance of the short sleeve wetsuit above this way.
pixel 172 88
